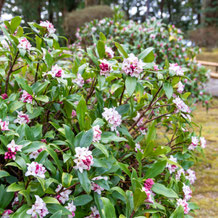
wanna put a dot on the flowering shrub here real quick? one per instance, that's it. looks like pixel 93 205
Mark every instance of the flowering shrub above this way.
pixel 167 41
pixel 104 136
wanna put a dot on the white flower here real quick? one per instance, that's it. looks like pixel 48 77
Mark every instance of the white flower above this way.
pixel 109 52
pixel 175 68
pixel 49 26
pixel 95 213
pixel 84 159
pixel 13 147
pixel 79 80
pixel 4 125
pixel 24 44
pixel 96 133
pixel 35 154
pixel 184 204
pixel 191 176
pixel 181 105
pixel 138 148
pixel 26 97
pixel 95 187
pixel 149 194
pixel 203 142
pixel 179 173
pixel 35 169
pixel 72 208
pixel 56 72
pixel 180 87
pixel 187 192
pixel 5 44
pixel 140 122
pixel 38 209
pixel 194 143
pixel 22 118
pixel 172 167
pixel 64 194
pixel 113 117
pixel 132 66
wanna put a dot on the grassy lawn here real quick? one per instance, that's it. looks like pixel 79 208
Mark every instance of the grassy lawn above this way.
pixel 211 56
pixel 205 193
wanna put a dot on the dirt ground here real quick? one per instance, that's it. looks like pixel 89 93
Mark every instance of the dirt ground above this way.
pixel 205 192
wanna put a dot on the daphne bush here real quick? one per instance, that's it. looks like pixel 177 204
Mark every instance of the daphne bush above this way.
pixel 106 135
pixel 167 40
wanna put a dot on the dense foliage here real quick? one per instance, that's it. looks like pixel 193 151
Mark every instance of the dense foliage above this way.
pixel 106 135
pixel 168 43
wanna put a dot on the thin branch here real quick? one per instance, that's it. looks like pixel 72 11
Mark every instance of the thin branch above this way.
pixel 37 69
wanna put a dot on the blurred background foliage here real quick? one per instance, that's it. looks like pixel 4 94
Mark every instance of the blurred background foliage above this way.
pixel 197 18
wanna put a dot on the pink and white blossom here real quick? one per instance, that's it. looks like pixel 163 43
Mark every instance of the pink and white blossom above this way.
pixel 35 154
pixel 22 118
pixel 6 213
pixel 149 194
pixel 24 44
pixel 13 147
pixel 96 133
pixel 181 105
pixel 194 143
pixel 132 66
pixel 179 173
pixel 203 142
pixel 138 148
pixel 109 52
pixel 172 167
pixel 105 68
pixel 73 114
pixel 72 208
pixel 5 44
pixel 180 88
pixel 184 204
pixel 191 176
pixel 148 184
pixel 175 68
pixel 35 169
pixel 26 97
pixel 79 80
pixel 112 117
pixel 84 159
pixel 56 72
pixel 63 196
pixel 187 192
pixel 4 125
pixel 95 187
pixel 95 213
pixel 49 26
pixel 4 96
pixel 38 209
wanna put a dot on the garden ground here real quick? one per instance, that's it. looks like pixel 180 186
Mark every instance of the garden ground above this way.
pixel 205 193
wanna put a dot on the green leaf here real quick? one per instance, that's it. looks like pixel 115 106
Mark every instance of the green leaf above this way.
pixel 139 197
pixel 80 111
pixel 123 109
pixel 129 203
pixel 119 190
pixel 66 179
pixel 5 197
pixel 178 213
pixel 107 137
pixel 24 85
pixel 42 98
pixel 130 84
pixel 102 148
pixel 15 22
pixel 168 90
pixel 84 181
pixel 69 136
pixel 48 59
pixel 21 212
pixel 121 50
pixel 163 190
pixel 86 139
pixel 124 167
pixel 82 200
pixel 147 55
pixel 151 135
pixel 156 169
pixel 50 200
pixel 14 187
pixel 58 214
pixel 101 49
pixel 53 154
pixel 3 174
pixel 102 37
pixel 15 105
pixel 108 209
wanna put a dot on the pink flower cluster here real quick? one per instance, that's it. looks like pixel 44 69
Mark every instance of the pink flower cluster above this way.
pixel 175 68
pixel 24 44
pixel 95 213
pixel 35 169
pixel 6 213
pixel 72 208
pixel 138 148
pixel 109 52
pixel 12 150
pixel 172 167
pixel 105 68
pixel 49 26
pixel 22 118
pixel 132 66
pixel 79 80
pixel 187 192
pixel 84 159
pixel 95 187
pixel 38 209
pixel 4 96
pixel 184 204
pixel 112 117
pixel 63 196
pixel 4 125
pixel 73 114
pixel 26 97
pixel 181 105
pixel 147 189
pixel 194 143
pixel 56 71
pixel 96 133
pixel 180 87
pixel 35 154
pixel 191 176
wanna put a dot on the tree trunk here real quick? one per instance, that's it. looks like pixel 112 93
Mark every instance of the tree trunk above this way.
pixel 1 5
pixel 50 11
pixel 161 9
pixel 148 8
pixel 203 11
pixel 169 10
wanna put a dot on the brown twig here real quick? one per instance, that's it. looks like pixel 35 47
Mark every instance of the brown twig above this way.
pixel 37 69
